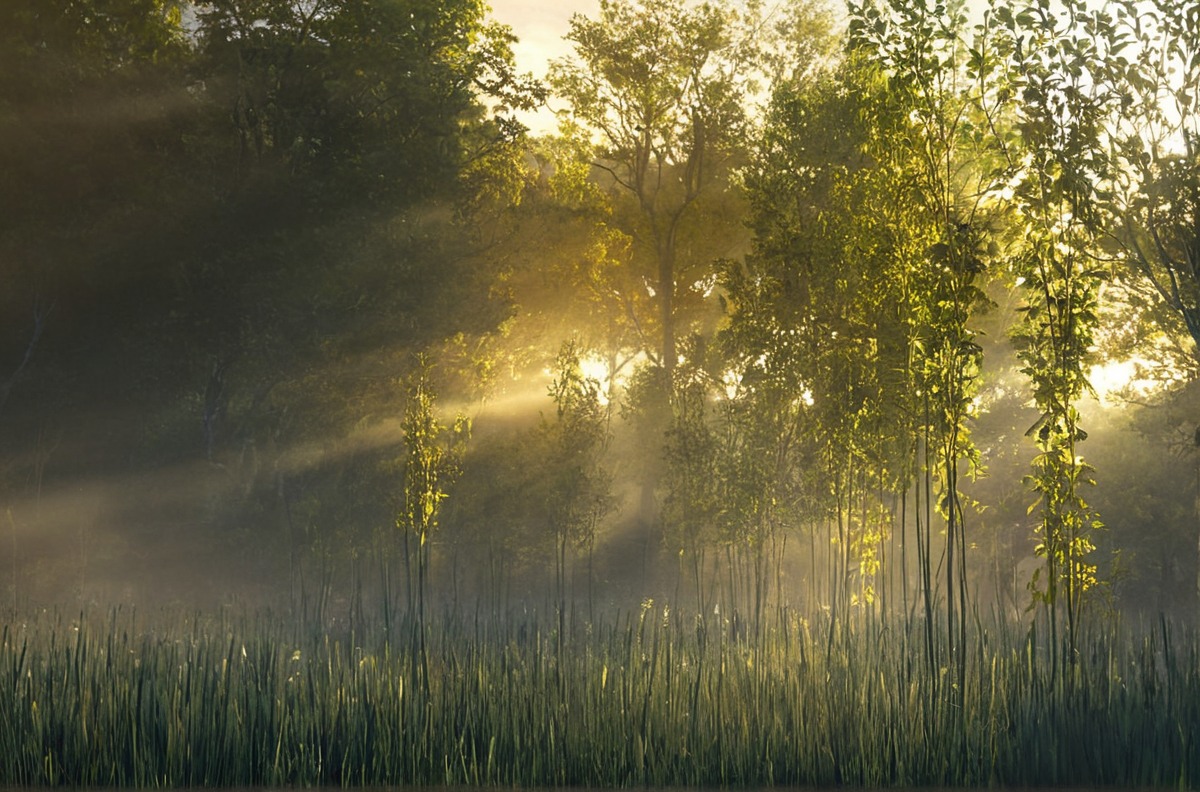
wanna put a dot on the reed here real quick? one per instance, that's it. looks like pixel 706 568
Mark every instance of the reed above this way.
pixel 643 698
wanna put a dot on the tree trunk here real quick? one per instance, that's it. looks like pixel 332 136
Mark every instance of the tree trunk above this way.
pixel 666 304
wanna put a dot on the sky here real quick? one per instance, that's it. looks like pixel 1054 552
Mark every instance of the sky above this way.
pixel 540 26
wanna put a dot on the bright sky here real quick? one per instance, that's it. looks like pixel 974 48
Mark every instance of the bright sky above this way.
pixel 540 25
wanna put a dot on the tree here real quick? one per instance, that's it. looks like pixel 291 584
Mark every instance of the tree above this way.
pixel 1154 128
pixel 92 97
pixel 433 454
pixel 768 438
pixel 692 496
pixel 810 308
pixel 660 88
pixel 372 96
pixel 1056 166
pixel 1154 131
pixel 922 48
pixel 567 270
pixel 577 486
pixel 361 152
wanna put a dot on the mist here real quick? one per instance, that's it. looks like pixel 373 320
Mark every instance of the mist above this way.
pixel 220 291
pixel 809 399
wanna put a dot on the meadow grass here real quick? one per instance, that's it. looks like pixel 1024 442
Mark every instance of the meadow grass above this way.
pixel 643 698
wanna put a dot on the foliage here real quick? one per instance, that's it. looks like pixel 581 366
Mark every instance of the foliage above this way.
pixel 246 219
pixel 660 88
pixel 432 462
pixel 577 488
pixel 235 225
pixel 372 96
pixel 692 492
pixel 1154 130
pixel 817 313
pixel 1056 161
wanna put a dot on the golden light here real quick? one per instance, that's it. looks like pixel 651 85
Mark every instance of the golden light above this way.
pixel 1121 377
pixel 594 368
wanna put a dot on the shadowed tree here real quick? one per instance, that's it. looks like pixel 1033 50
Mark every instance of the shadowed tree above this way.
pixel 577 485
pixel 1154 65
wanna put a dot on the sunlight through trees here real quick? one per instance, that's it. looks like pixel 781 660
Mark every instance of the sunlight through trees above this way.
pixel 884 314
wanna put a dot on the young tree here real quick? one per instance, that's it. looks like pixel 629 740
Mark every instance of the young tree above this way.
pixel 577 494
pixel 691 488
pixel 810 310
pixel 922 48
pixel 768 439
pixel 432 462
pixel 1056 166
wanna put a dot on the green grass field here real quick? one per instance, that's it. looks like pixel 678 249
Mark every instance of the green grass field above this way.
pixel 643 698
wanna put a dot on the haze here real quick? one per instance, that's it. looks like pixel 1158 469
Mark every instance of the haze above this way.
pixel 255 270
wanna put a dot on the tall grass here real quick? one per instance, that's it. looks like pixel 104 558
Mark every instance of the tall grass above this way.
pixel 641 698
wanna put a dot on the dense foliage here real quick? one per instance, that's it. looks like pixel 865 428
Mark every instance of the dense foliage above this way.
pixel 788 316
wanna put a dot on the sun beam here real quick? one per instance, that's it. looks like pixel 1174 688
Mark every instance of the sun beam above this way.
pixel 1127 377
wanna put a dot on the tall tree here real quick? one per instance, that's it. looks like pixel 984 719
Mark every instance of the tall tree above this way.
pixel 922 48
pixel 1154 63
pixel 368 143
pixel 661 88
pixel 92 101
pixel 1056 167
pixel 374 97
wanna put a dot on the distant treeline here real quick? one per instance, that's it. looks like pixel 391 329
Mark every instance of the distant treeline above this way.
pixel 801 309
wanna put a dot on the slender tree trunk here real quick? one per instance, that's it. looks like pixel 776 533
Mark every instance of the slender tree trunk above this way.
pixel 760 594
pixel 924 544
pixel 561 580
pixel 780 604
pixel 813 589
pixel 666 301
pixel 591 573
pixel 904 559
pixel 385 561
pixel 421 624
pixel 410 592
pixel 950 461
